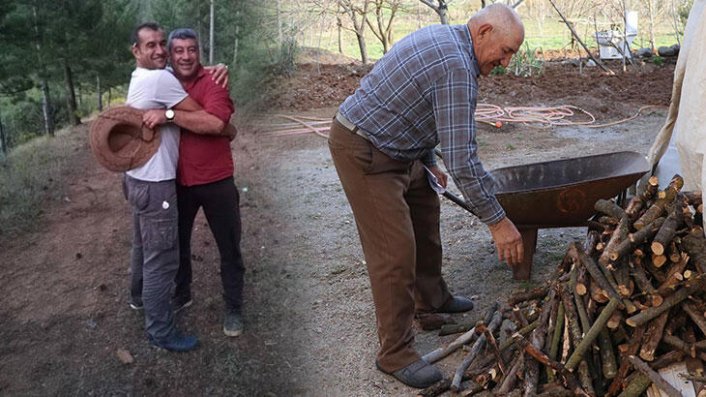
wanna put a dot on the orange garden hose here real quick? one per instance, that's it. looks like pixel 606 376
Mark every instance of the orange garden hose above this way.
pixel 531 116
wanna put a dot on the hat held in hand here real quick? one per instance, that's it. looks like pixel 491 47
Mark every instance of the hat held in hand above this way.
pixel 120 141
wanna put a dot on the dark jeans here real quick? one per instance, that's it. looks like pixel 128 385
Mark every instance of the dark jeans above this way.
pixel 155 252
pixel 221 205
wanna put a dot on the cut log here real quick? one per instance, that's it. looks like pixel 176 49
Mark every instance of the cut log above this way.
pixel 510 380
pixel 609 208
pixel 625 350
pixel 665 197
pixel 672 300
pixel 634 239
pixel 619 235
pixel 673 277
pixel 666 233
pixel 695 245
pixel 638 385
pixel 442 352
pixel 609 364
pixel 540 357
pixel 592 334
pixel 638 202
pixel 588 263
pixel 659 260
pixel 473 353
pixel 536 293
pixel 556 336
pixel 615 320
pixel 654 377
pixel 537 341
pixel 696 316
pixel 652 337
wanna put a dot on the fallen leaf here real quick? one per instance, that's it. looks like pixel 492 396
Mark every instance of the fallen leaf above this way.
pixel 124 356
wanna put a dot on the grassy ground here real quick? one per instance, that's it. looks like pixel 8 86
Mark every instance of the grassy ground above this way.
pixel 30 174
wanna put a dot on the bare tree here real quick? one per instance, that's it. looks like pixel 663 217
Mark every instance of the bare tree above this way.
pixel 357 11
pixel 650 14
pixel 382 30
pixel 441 7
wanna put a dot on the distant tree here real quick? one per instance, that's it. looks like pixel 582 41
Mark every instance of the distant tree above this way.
pixel 382 29
pixel 357 12
pixel 441 7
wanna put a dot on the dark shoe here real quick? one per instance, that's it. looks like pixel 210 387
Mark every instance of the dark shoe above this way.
pixel 180 303
pixel 176 342
pixel 136 304
pixel 419 374
pixel 456 304
pixel 233 324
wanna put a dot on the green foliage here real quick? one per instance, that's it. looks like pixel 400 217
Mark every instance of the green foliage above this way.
pixel 498 71
pixel 657 60
pixel 525 62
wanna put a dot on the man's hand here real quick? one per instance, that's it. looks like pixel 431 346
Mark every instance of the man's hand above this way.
pixel 154 117
pixel 230 131
pixel 508 242
pixel 440 175
pixel 219 74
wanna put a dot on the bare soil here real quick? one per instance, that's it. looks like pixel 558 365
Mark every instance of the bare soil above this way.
pixel 309 313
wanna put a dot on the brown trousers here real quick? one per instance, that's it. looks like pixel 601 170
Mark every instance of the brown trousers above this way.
pixel 397 215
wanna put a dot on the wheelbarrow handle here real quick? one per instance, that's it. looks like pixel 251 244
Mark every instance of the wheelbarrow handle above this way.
pixel 458 200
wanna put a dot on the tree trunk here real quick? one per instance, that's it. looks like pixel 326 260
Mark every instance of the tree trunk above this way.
pixel 46 102
pixel 360 32
pixel 236 42
pixel 441 9
pixel 3 138
pixel 70 95
pixel 443 12
pixel 339 38
pixel 362 47
pixel 650 12
pixel 210 34
pixel 99 91
pixel 46 108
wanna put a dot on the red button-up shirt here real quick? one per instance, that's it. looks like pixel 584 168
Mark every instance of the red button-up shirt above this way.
pixel 206 158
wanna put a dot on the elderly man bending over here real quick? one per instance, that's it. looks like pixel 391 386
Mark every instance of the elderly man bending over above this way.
pixel 420 94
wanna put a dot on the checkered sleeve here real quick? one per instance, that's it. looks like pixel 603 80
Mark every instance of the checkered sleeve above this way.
pixel 454 103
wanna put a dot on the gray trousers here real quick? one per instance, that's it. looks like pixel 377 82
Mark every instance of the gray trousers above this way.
pixel 155 249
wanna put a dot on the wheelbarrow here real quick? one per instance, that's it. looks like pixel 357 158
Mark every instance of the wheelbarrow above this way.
pixel 560 193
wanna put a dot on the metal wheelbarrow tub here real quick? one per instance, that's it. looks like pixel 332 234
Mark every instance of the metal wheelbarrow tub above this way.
pixel 561 193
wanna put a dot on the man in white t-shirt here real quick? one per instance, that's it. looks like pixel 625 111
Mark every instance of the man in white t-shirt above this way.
pixel 151 188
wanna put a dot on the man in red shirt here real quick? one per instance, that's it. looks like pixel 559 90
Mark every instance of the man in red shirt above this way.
pixel 205 180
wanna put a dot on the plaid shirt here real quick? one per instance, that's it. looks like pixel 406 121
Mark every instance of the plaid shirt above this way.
pixel 423 93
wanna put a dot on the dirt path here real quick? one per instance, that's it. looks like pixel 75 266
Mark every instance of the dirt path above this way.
pixel 309 313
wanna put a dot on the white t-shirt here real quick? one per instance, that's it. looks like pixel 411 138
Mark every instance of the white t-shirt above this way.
pixel 150 89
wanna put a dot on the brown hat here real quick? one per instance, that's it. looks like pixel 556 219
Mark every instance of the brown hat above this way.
pixel 120 141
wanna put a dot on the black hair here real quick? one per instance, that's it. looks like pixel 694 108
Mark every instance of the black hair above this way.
pixel 135 35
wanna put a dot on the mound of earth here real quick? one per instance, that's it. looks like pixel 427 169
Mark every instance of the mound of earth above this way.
pixel 318 85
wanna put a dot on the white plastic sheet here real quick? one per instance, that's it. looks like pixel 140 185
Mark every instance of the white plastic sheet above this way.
pixel 686 121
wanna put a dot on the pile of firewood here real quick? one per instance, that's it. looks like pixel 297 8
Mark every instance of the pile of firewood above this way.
pixel 629 302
